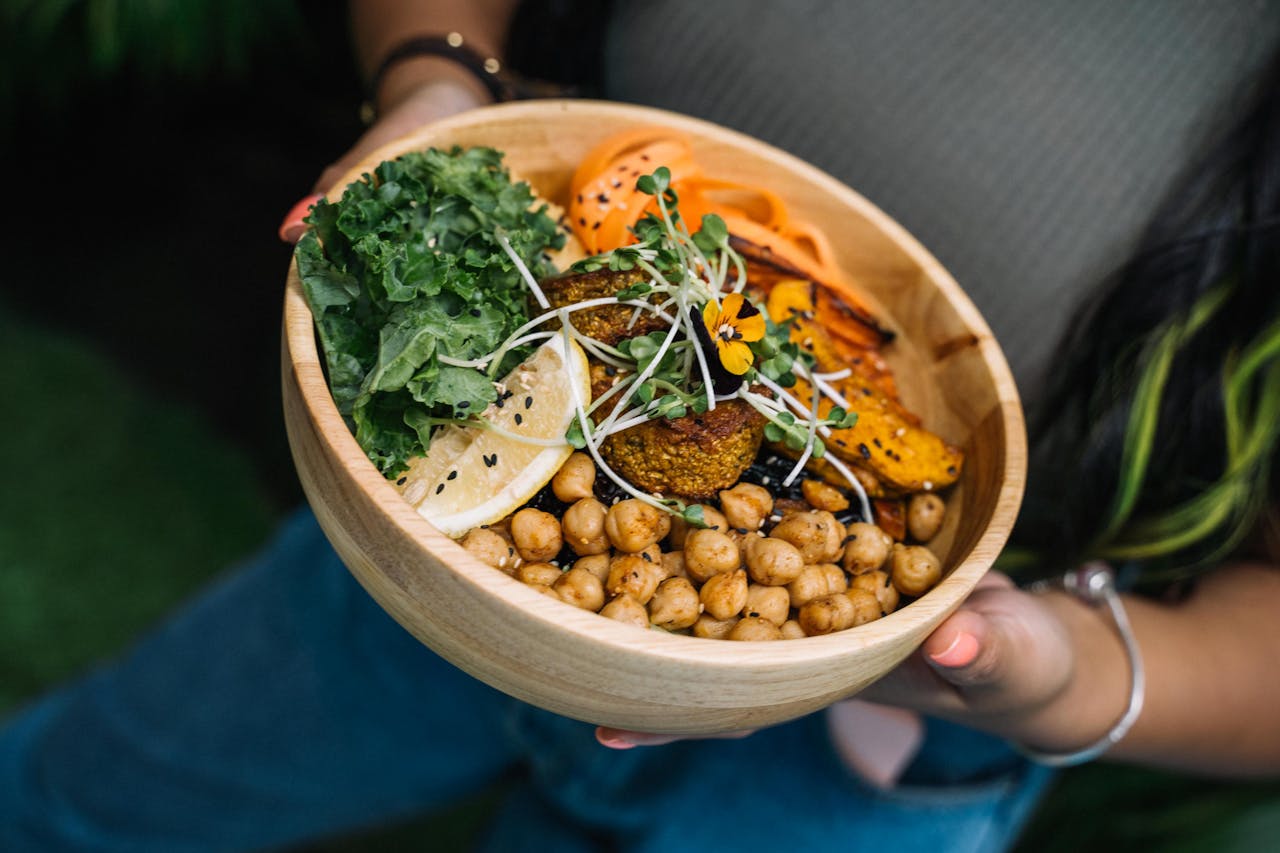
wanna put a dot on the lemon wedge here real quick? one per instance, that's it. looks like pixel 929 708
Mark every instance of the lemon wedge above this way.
pixel 472 475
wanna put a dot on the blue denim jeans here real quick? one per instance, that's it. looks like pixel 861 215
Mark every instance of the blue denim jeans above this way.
pixel 284 705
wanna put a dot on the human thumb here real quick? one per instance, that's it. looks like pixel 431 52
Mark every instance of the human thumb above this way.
pixel 970 649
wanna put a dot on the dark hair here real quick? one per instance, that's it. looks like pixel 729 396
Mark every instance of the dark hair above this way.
pixel 1156 444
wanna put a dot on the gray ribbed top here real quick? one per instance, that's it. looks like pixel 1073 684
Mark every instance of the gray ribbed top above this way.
pixel 1024 143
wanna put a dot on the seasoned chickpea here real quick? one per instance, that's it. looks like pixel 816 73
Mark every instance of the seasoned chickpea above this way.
pixel 652 553
pixel 711 517
pixel 633 525
pixel 746 505
pixel 811 583
pixel 827 614
pixel 866 607
pixel 576 478
pixel 925 512
pixel 536 534
pixel 791 630
pixel 597 564
pixel 537 573
pixel 817 533
pixel 768 602
pixel 624 608
pixel 583 527
pixel 710 628
pixel 775 562
pixel 632 575
pixel 724 595
pixel 866 548
pixel 754 629
pixel 673 565
pixel 915 569
pixel 822 495
pixel 491 549
pixel 879 583
pixel 675 605
pixel 837 580
pixel 580 588
pixel 546 590
pixel 708 553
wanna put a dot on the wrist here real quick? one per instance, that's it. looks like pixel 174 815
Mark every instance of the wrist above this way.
pixel 443 77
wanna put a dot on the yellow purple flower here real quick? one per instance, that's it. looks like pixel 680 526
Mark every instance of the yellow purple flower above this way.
pixel 732 326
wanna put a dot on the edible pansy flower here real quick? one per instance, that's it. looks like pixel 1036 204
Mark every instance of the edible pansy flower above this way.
pixel 732 326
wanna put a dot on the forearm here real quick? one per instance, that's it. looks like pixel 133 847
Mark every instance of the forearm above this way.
pixel 379 25
pixel 1211 682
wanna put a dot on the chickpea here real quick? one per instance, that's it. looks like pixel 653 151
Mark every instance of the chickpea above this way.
pixel 652 553
pixel 746 505
pixel 624 608
pixel 675 605
pixel 490 548
pixel 866 548
pixel 811 583
pixel 576 478
pixel 710 628
pixel 633 575
pixel 597 564
pixel 775 562
pixel 768 602
pixel 537 573
pixel 827 614
pixel 673 565
pixel 633 525
pixel 925 512
pixel 866 607
pixel 791 630
pixel 536 534
pixel 546 590
pixel 817 533
pixel 724 595
pixel 837 580
pixel 822 495
pixel 580 588
pixel 878 582
pixel 583 527
pixel 708 553
pixel 753 628
pixel 713 518
pixel 915 569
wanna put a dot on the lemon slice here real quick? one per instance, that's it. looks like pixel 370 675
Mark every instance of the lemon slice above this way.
pixel 472 475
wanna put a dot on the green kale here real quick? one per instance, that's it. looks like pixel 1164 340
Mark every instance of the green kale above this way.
pixel 405 268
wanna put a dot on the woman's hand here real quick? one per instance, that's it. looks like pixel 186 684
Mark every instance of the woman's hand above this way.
pixel 1004 662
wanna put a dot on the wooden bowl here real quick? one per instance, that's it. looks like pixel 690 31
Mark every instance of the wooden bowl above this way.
pixel 585 666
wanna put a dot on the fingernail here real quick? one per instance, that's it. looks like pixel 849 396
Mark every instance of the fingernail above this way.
pixel 962 651
pixel 611 739
pixel 292 228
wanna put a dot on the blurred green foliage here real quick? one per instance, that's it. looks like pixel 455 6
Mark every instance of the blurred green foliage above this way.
pixel 51 50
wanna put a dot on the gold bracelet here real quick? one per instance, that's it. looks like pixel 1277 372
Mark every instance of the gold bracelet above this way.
pixel 1095 584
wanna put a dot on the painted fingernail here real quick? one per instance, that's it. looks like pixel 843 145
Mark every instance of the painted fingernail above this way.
pixel 612 740
pixel 962 651
pixel 292 228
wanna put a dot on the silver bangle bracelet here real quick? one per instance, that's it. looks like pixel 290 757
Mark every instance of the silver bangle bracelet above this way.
pixel 1095 584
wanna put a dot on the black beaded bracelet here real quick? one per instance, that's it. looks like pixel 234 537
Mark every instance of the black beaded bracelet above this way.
pixel 502 85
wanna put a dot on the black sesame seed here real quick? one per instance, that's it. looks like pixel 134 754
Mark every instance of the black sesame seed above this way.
pixel 951 469
pixel 603 198
pixel 453 475
pixel 464 404
pixel 500 402
pixel 475 312
pixel 841 442
pixel 519 419
pixel 582 220
pixel 876 442
pixel 866 392
pixel 579 198
pixel 864 450
pixel 595 225
pixel 528 401
pixel 439 488
pixel 401 481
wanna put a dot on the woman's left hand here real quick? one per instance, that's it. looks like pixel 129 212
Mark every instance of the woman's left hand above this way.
pixel 1004 662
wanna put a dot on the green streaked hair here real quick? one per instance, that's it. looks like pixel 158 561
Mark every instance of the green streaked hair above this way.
pixel 1157 442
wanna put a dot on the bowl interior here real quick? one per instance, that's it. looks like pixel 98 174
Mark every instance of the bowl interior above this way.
pixel 947 363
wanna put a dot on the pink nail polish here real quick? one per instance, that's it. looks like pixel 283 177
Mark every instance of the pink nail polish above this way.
pixel 962 651
pixel 614 743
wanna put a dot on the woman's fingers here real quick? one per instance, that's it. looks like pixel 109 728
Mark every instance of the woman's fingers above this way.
pixel 624 739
